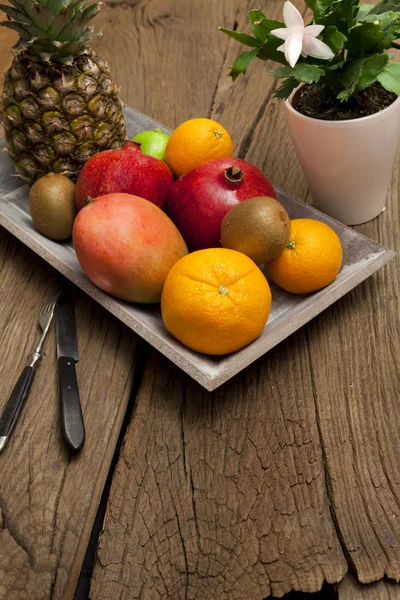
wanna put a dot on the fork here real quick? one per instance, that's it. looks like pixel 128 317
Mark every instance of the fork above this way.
pixel 22 387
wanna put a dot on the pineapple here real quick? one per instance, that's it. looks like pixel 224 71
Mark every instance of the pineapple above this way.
pixel 60 105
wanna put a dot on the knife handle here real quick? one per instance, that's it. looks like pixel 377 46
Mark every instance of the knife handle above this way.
pixel 15 403
pixel 72 426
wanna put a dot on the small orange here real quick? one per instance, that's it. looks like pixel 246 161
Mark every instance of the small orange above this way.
pixel 196 142
pixel 215 301
pixel 311 259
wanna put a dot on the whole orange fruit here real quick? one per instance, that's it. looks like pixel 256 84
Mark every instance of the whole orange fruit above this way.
pixel 215 301
pixel 196 142
pixel 310 261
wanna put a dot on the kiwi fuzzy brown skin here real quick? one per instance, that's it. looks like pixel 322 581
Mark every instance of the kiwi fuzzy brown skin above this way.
pixel 258 227
pixel 52 206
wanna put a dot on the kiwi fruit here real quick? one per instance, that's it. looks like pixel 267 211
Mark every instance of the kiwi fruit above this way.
pixel 52 206
pixel 258 227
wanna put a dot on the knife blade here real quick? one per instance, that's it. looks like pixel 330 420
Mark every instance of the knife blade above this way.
pixel 72 425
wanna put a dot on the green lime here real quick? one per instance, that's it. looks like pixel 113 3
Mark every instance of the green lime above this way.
pixel 152 142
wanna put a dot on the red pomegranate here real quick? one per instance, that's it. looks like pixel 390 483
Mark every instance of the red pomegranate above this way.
pixel 127 170
pixel 199 200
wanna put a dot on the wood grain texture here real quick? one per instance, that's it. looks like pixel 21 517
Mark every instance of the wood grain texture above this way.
pixel 48 500
pixel 165 55
pixel 218 495
pixel 359 413
pixel 193 512
pixel 224 495
pixel 351 589
pixel 355 374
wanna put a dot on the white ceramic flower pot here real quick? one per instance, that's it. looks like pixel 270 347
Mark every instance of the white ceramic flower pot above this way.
pixel 347 164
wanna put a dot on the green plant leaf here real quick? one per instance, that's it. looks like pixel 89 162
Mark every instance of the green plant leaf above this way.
pixel 57 6
pixel 21 32
pixel 335 66
pixel 261 26
pixel 319 7
pixel 15 14
pixel 390 26
pixel 349 78
pixel 286 88
pixel 243 38
pixel 363 10
pixel 341 13
pixel 300 72
pixel 365 37
pixel 385 6
pixel 361 73
pixel 344 95
pixel 371 69
pixel 374 32
pixel 42 17
pixel 240 65
pixel 57 26
pixel 372 17
pixel 389 78
pixel 333 38
pixel 256 16
pixel 269 50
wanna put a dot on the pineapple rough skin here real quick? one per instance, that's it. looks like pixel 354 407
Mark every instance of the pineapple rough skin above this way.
pixel 56 116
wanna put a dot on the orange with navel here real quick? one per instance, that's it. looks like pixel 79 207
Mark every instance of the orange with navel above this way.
pixel 215 301
pixel 310 261
pixel 196 142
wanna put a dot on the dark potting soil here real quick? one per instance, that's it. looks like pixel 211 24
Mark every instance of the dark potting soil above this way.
pixel 308 101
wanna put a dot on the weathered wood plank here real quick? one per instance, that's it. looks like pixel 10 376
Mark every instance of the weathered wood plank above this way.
pixel 218 495
pixel 353 351
pixel 359 413
pixel 351 589
pixel 48 501
pixel 165 55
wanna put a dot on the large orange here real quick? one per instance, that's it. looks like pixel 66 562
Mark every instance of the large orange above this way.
pixel 196 142
pixel 310 261
pixel 215 301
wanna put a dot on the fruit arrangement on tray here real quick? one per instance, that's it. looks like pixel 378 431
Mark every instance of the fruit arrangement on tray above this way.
pixel 171 219
pixel 170 225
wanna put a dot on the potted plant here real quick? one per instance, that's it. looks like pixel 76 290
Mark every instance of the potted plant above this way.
pixel 341 93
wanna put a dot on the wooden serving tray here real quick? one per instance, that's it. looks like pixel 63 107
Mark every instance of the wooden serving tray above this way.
pixel 361 258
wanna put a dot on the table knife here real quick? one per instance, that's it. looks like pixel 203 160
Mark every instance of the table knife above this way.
pixel 72 425
pixel 21 389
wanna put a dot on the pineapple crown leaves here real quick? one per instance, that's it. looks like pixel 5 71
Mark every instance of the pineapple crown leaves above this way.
pixel 359 36
pixel 53 30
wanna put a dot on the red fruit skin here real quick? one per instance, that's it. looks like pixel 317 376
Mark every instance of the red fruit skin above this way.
pixel 199 200
pixel 127 246
pixel 127 170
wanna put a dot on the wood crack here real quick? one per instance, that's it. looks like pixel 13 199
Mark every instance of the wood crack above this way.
pixel 54 530
pixel 328 479
pixel 223 67
pixel 184 555
pixel 246 143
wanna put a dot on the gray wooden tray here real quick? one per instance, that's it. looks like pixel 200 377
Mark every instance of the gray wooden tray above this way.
pixel 361 257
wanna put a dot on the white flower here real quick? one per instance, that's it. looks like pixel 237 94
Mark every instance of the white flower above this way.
pixel 299 39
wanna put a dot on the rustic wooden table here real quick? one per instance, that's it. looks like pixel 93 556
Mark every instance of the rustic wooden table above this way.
pixel 287 476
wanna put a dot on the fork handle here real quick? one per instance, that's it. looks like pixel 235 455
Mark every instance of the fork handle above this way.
pixel 15 404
